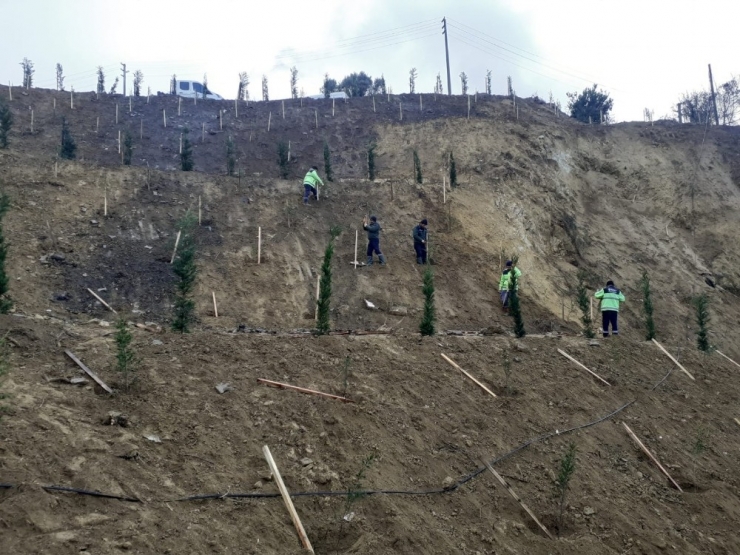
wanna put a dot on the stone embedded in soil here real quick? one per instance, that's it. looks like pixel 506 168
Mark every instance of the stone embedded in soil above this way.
pixel 447 482
pixel 306 461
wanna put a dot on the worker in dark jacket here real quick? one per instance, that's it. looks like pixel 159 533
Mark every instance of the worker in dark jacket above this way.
pixel 373 239
pixel 610 298
pixel 420 241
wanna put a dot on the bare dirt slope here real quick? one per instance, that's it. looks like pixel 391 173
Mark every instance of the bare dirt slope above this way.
pixel 612 201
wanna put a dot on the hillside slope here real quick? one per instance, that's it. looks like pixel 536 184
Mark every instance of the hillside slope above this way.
pixel 612 201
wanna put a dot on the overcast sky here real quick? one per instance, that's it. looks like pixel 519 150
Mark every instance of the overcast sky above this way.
pixel 644 53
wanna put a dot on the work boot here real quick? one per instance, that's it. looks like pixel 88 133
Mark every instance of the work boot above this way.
pixel 381 257
pixel 418 260
pixel 369 260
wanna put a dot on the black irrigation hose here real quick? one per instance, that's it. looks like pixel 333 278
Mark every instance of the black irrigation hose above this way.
pixel 92 493
pixel 448 489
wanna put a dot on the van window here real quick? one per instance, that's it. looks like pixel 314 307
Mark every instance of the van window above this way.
pixel 184 85
pixel 197 87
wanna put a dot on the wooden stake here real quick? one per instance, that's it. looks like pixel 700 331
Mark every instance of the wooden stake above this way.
pixel 316 312
pixel 180 143
pixel 259 244
pixel 116 113
pixel 286 499
pixel 517 113
pixel 400 110
pixel 119 141
pixel 649 454
pixel 203 133
pixel 199 211
pixel 421 107
pixel 89 372
pixel 179 105
pixel 373 103
pixel 444 190
pixel 304 390
pixel 316 115
pixel 31 121
pixel 141 129
pixel 269 120
pixel 97 124
pixel 220 120
pixel 283 102
pixel 174 252
pixel 105 304
pixel 516 497
pixel 236 107
pixel 332 107
pixel 566 355
pixel 130 101
pixel 164 116
pixel 468 106
pixel 215 307
pixel 105 202
pixel 288 151
pixel 56 169
pixel 728 358
pixel 491 393
pixel 356 236
pixel 670 356
pixel 591 299
pixel 72 100
pixel 737 421
pixel 10 91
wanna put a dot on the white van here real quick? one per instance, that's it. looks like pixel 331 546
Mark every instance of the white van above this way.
pixel 189 89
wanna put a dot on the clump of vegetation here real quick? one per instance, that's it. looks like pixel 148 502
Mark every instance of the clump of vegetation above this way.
pixel 243 93
pixel 186 270
pixel 371 161
pixel 562 483
pixel 417 168
pixel 60 77
pixel 323 324
pixel 186 156
pixel 428 319
pixel 412 80
pixel 701 304
pixel 515 308
pixel 700 442
pixel 294 82
pixel 114 87
pixel 173 84
pixel 355 491
pixel 327 163
pixel 584 303
pixel 68 148
pixel 230 156
pixel 590 106
pixel 265 91
pixel 126 360
pixel 647 306
pixel 128 149
pixel 453 171
pixel 464 83
pixel 282 153
pixel 6 122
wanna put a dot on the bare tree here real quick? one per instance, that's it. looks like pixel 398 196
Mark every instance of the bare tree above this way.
pixel 728 101
pixel 464 83
pixel 294 82
pixel 510 87
pixel 438 85
pixel 138 80
pixel 696 107
pixel 488 82
pixel 265 93
pixel 243 86
pixel 28 72
pixel 60 78
pixel 115 85
pixel 412 80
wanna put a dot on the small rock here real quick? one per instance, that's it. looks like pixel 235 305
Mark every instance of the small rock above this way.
pixel 517 359
pixel 157 342
pixel 493 330
pixel 258 484
pixel 588 511
pixel 223 387
pixel 64 296
pixel 398 311
pixel 521 347
pixel 57 257
pixel 306 461
pixel 104 324
pixel 114 418
pixel 447 482
pixel 94 222
pixel 152 437
pixel 594 343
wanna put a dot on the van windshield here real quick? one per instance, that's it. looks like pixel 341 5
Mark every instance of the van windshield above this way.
pixel 197 87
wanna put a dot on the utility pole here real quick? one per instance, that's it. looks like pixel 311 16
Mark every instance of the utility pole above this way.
pixel 124 72
pixel 447 54
pixel 714 98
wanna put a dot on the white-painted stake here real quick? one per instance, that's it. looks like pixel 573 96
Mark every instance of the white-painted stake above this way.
pixel 72 100
pixel 259 245
pixel 421 106
pixel 116 112
pixel 269 121
pixel 444 190
pixel 283 109
pixel 373 103
pixel 332 107
pixel 356 238
pixel 31 121
pixel 180 143
pixel 203 133
pixel 236 107
pixel 199 211
pixel 130 104
pixel 220 120
pixel 468 106
pixel 288 151
pixel 10 90
pixel 177 242
pixel 215 306
pixel 179 105
pixel 316 115
pixel 97 124
pixel 400 110
pixel 105 202
pixel 316 312
pixel 119 141
pixel 141 129
pixel 164 116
